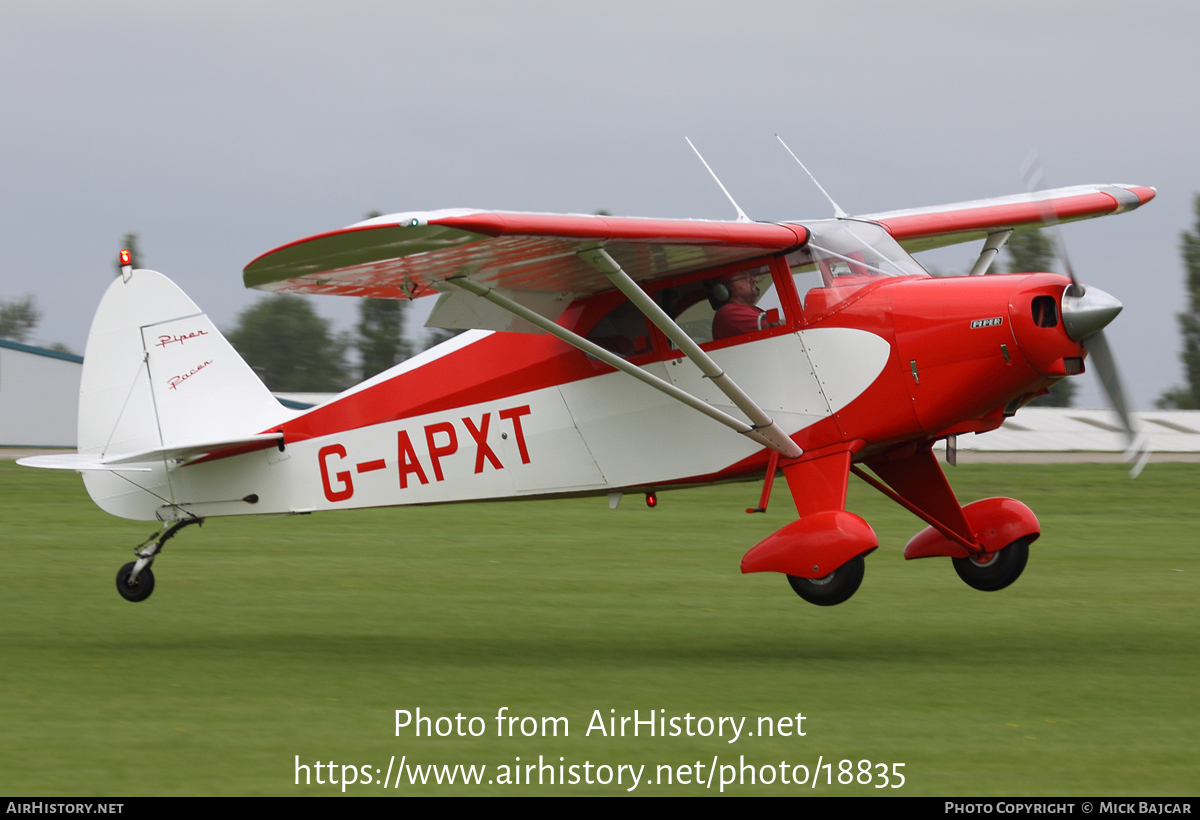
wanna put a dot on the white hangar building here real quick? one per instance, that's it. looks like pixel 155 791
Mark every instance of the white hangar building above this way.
pixel 39 396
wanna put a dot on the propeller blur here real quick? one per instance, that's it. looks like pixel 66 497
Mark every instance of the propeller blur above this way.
pixel 1086 312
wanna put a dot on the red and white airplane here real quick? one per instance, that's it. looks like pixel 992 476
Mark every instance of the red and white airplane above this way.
pixel 607 356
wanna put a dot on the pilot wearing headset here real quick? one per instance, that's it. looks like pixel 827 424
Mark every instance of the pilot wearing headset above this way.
pixel 739 314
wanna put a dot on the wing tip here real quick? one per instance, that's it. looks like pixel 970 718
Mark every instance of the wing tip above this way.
pixel 1144 193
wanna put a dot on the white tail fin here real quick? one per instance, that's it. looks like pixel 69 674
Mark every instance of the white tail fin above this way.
pixel 157 374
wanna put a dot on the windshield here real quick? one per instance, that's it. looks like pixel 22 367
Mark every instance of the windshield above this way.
pixel 841 258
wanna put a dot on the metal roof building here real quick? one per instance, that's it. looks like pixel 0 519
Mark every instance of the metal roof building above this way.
pixel 39 396
pixel 1066 429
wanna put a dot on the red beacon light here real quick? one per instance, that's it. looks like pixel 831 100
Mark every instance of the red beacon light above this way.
pixel 651 500
pixel 126 264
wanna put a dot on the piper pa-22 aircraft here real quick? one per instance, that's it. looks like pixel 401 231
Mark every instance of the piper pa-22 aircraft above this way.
pixel 611 355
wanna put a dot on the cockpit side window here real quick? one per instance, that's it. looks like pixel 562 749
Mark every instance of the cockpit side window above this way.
pixel 724 305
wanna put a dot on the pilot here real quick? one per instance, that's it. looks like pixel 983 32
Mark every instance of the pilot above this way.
pixel 739 314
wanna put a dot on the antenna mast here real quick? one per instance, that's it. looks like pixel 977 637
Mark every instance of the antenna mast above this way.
pixel 741 214
pixel 837 211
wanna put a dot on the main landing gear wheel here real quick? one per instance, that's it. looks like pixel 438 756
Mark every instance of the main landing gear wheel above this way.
pixel 994 570
pixel 835 587
pixel 141 588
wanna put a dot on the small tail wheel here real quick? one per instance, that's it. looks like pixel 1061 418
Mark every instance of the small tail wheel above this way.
pixel 835 587
pixel 991 571
pixel 141 588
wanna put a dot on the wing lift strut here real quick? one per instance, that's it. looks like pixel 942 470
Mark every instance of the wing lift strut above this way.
pixel 995 241
pixel 761 429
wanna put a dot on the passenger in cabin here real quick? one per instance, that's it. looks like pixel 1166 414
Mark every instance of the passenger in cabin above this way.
pixel 740 313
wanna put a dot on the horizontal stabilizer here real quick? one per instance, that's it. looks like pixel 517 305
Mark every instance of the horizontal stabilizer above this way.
pixel 179 455
pixel 80 462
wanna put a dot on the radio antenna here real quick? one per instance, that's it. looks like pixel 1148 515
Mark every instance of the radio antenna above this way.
pixel 837 211
pixel 741 214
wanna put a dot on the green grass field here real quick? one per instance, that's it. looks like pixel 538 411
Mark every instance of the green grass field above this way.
pixel 267 639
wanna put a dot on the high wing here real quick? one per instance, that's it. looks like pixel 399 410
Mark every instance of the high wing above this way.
pixel 519 271
pixel 921 229
pixel 408 255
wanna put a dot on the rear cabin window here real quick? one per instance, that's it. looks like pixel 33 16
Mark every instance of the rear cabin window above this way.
pixel 622 331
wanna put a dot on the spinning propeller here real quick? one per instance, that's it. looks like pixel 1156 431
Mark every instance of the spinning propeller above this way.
pixel 1086 311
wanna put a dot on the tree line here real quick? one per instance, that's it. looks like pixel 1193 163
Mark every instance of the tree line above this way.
pixel 294 350
pixel 1187 395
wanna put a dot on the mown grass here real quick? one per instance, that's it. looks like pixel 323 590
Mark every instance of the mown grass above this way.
pixel 267 639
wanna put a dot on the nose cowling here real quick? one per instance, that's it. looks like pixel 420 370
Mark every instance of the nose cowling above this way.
pixel 1086 314
pixel 1039 329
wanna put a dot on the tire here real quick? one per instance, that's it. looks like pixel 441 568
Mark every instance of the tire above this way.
pixel 139 591
pixel 1004 567
pixel 834 588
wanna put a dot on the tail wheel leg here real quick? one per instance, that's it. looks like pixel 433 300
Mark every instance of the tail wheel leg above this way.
pixel 135 581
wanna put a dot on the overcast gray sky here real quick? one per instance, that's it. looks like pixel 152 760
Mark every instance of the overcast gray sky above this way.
pixel 218 130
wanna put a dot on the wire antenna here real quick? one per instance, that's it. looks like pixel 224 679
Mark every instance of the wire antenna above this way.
pixel 837 210
pixel 741 214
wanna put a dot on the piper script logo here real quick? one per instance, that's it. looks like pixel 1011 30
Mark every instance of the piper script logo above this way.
pixel 163 341
pixel 999 320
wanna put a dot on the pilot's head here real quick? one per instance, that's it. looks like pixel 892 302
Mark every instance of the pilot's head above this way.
pixel 742 287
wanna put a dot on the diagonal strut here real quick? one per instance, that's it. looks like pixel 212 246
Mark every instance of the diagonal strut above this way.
pixel 777 439
pixel 577 341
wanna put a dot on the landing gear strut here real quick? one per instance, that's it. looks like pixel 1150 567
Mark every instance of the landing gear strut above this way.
pixel 135 581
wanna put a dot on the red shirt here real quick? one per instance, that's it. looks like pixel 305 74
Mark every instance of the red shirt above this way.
pixel 734 319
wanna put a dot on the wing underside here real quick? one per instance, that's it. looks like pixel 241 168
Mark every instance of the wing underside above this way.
pixel 409 255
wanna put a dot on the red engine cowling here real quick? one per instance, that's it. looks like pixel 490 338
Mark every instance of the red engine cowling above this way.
pixel 813 546
pixel 995 523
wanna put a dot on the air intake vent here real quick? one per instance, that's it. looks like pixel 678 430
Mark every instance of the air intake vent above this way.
pixel 1045 311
